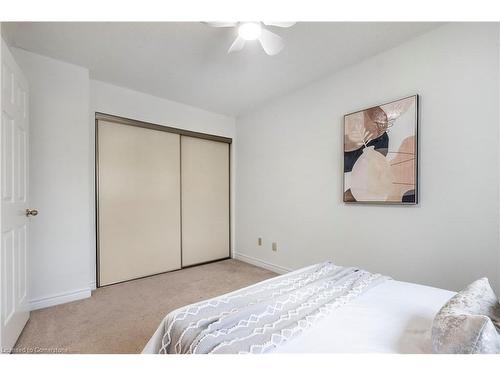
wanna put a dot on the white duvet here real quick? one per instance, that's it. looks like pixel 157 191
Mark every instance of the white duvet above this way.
pixel 392 317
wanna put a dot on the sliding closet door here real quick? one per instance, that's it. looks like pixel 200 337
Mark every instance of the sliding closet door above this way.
pixel 139 202
pixel 205 200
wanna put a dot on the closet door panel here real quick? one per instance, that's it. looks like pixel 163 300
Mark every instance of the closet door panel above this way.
pixel 205 200
pixel 139 202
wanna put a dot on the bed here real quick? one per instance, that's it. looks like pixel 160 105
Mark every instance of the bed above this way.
pixel 364 313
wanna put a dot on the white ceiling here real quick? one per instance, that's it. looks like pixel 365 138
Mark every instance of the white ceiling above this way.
pixel 187 62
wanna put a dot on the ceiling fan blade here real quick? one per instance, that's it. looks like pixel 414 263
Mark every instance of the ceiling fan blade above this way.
pixel 271 42
pixel 221 24
pixel 279 24
pixel 237 45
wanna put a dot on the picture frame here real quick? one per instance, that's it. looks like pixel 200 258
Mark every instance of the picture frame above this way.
pixel 381 153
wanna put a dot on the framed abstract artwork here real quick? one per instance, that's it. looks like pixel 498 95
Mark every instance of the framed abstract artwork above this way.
pixel 381 153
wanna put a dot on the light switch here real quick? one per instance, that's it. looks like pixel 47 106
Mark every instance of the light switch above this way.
pixel 259 241
pixel 275 246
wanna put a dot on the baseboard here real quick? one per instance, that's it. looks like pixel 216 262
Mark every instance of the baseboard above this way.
pixel 261 263
pixel 58 299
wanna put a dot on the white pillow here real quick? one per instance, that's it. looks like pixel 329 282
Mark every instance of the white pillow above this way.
pixel 469 322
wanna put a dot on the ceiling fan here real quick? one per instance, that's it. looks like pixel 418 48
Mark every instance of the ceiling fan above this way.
pixel 247 31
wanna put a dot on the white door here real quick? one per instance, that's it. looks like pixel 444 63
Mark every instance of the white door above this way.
pixel 14 202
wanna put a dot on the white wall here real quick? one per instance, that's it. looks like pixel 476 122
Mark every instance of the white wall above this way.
pixel 59 179
pixel 289 166
pixel 119 101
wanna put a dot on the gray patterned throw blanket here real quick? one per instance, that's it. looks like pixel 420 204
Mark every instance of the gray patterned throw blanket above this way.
pixel 258 318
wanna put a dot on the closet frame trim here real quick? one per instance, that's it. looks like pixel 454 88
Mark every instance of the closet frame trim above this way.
pixel 99 116
pixel 163 128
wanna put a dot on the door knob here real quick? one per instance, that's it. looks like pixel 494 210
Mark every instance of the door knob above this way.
pixel 31 212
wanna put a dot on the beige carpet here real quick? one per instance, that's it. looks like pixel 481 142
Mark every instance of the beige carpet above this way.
pixel 121 318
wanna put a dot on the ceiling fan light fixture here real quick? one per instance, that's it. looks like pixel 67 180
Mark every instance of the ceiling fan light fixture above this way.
pixel 250 30
pixel 271 43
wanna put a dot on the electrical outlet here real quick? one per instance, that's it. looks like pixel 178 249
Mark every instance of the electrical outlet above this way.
pixel 275 246
pixel 259 241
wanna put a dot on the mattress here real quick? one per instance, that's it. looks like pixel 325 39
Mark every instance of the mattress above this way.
pixel 392 317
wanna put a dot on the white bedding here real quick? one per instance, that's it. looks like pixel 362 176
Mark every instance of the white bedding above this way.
pixel 393 317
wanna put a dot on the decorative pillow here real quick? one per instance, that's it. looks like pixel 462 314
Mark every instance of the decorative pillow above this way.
pixel 469 323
